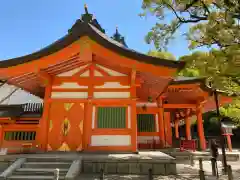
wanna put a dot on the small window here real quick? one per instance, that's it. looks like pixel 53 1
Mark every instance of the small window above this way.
pixel 111 117
pixel 20 135
pixel 146 123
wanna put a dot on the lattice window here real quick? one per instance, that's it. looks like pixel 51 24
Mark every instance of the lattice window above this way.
pixel 111 117
pixel 146 123
pixel 20 136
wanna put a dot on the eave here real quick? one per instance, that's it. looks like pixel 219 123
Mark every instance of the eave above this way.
pixel 66 54
pixel 83 29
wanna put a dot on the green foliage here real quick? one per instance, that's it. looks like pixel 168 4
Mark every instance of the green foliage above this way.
pixel 210 23
pixel 233 111
pixel 162 54
pixel 213 64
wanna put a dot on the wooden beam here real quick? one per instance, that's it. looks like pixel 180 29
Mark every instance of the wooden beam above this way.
pixel 161 121
pixel 201 135
pixel 176 126
pixel 85 51
pixel 133 84
pixel 179 106
pixel 100 70
pixel 133 77
pixel 44 77
pixel 179 86
pixel 97 81
pixel 188 125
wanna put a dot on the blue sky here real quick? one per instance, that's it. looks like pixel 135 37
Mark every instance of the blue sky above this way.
pixel 27 26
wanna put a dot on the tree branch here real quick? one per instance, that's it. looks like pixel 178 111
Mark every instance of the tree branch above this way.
pixel 182 20
pixel 190 4
pixel 205 7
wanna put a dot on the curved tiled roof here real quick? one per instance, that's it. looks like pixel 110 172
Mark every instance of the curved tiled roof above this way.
pixel 192 80
pixel 81 28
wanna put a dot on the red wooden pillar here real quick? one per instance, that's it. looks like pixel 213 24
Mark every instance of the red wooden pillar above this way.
pixel 87 123
pixel 134 127
pixel 161 123
pixel 176 126
pixel 188 125
pixel 89 109
pixel 133 110
pixel 229 142
pixel 200 128
pixel 43 127
pixel 1 135
pixel 168 128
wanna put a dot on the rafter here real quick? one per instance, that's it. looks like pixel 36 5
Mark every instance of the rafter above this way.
pixel 44 77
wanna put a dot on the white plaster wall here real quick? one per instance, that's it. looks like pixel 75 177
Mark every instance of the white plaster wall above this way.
pixel 93 117
pixel 85 74
pixel 96 73
pixel 129 116
pixel 110 140
pixel 112 85
pixel 71 72
pixel 156 120
pixel 110 71
pixel 99 95
pixel 144 139
pixel 77 95
pixel 70 85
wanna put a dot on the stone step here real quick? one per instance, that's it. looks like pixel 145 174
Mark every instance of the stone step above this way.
pixel 40 171
pixel 46 159
pixel 51 165
pixel 19 177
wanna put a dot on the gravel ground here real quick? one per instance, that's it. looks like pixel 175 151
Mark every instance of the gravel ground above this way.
pixel 185 172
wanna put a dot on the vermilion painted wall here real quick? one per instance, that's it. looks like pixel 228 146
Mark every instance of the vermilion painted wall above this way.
pixel 65 126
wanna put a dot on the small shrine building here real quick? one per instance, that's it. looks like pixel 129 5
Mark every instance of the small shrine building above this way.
pixel 99 95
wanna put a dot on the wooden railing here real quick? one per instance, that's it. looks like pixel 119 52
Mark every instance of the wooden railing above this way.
pixel 188 145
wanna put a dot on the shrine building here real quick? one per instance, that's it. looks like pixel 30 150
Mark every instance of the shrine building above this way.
pixel 99 95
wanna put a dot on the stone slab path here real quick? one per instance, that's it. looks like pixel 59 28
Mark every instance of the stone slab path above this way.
pixel 186 172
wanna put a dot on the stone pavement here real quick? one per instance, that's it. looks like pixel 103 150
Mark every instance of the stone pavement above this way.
pixel 185 172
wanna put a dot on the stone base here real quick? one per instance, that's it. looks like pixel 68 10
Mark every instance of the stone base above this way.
pixel 160 163
pixel 187 157
pixel 114 163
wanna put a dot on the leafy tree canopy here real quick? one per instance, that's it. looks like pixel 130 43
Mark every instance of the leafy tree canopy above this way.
pixel 211 23
pixel 162 54
pixel 207 64
pixel 213 64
